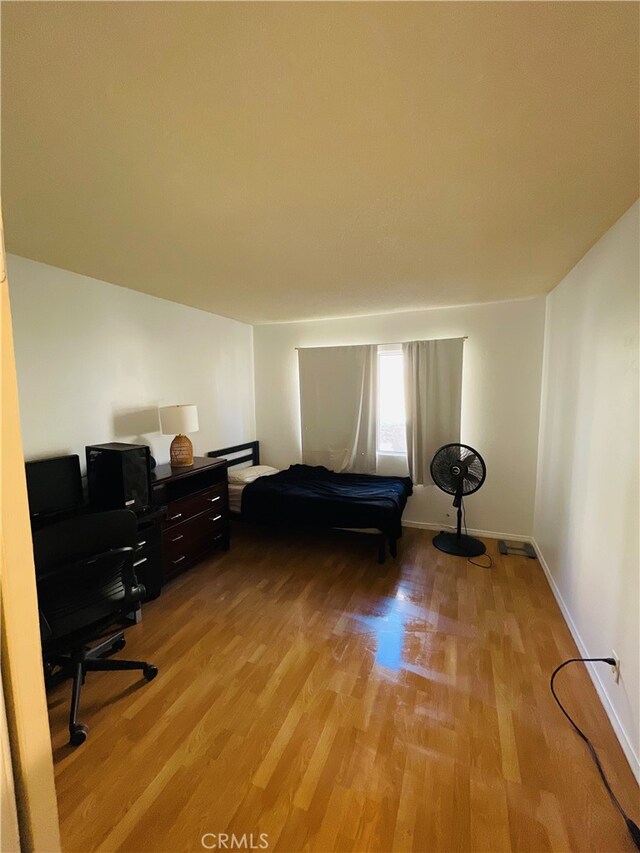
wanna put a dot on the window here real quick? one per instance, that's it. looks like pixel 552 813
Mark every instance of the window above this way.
pixel 392 437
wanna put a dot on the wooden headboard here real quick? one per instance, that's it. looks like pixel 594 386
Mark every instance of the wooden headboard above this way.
pixel 253 456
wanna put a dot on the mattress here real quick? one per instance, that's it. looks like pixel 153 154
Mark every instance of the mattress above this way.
pixel 313 496
pixel 235 497
pixel 235 505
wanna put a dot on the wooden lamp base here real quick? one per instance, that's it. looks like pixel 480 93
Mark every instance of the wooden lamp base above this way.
pixel 181 452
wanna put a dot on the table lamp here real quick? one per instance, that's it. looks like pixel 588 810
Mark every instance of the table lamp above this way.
pixel 178 420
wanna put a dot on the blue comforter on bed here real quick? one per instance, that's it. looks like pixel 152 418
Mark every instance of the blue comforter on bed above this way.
pixel 313 496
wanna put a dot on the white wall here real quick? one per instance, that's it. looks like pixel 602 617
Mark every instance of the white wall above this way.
pixel 586 518
pixel 94 361
pixel 500 394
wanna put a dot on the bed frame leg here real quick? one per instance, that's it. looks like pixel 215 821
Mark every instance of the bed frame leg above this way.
pixel 393 547
pixel 382 549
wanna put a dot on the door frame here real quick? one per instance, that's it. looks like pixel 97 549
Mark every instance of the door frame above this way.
pixel 21 662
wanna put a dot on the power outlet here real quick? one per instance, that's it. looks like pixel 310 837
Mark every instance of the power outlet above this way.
pixel 615 669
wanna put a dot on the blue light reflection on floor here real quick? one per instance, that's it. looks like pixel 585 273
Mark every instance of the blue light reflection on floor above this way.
pixel 390 637
pixel 389 631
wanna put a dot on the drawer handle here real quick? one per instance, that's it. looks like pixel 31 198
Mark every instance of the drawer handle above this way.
pixel 213 500
pixel 140 562
pixel 140 544
pixel 178 538
pixel 179 560
pixel 217 518
pixel 173 517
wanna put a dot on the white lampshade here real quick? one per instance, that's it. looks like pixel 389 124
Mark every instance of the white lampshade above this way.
pixel 179 420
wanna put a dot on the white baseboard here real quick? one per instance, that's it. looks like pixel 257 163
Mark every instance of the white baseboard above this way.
pixel 489 534
pixel 594 672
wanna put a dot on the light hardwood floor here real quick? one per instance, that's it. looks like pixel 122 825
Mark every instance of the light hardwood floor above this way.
pixel 310 694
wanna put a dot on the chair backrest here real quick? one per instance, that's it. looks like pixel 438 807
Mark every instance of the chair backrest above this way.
pixel 84 570
pixel 83 536
pixel 88 594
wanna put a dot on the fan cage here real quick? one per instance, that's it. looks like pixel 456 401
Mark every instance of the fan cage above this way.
pixel 443 469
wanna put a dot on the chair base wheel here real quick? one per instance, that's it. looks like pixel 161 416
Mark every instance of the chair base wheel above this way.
pixel 119 644
pixel 150 672
pixel 78 734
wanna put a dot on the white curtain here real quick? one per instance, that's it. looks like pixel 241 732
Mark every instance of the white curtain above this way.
pixel 338 405
pixel 433 397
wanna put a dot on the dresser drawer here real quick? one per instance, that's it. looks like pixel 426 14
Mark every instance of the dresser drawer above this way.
pixel 145 540
pixel 149 572
pixel 194 505
pixel 183 543
pixel 182 510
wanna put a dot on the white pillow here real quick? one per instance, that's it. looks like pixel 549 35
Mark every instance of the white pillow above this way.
pixel 248 475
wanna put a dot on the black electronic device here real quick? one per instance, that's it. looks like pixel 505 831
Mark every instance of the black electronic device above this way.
pixel 118 476
pixel 54 487
pixel 458 470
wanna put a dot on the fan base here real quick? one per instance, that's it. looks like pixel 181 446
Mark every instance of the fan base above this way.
pixel 459 546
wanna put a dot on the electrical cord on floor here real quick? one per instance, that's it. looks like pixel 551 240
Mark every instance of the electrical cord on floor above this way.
pixel 482 565
pixel 466 533
pixel 634 830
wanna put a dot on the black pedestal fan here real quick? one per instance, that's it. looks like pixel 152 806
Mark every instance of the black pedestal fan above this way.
pixel 460 471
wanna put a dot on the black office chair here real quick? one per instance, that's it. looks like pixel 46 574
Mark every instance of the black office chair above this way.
pixel 86 584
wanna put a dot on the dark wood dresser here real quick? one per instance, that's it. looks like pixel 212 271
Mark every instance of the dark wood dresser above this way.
pixel 197 518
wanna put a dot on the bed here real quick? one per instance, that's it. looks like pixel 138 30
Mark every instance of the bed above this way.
pixel 312 497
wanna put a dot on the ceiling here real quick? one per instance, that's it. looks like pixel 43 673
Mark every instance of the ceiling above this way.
pixel 286 161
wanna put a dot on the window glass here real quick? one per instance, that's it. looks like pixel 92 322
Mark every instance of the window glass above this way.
pixel 391 411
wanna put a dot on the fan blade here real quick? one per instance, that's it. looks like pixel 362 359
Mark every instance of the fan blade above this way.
pixel 475 471
pixel 445 458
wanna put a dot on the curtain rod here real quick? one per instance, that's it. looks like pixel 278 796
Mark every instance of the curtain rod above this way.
pixel 388 343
